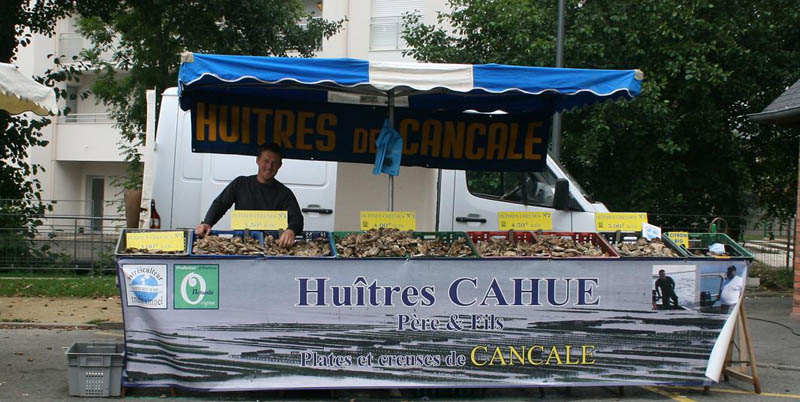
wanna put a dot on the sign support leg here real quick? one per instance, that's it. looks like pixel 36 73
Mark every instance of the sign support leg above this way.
pixel 747 356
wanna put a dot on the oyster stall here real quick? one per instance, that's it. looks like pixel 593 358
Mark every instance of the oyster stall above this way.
pixel 391 308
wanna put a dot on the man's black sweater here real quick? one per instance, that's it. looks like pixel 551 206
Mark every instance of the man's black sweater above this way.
pixel 249 194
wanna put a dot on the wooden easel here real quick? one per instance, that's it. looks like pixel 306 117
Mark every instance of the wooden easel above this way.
pixel 738 368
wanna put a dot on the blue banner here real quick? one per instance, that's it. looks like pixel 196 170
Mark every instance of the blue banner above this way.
pixel 347 133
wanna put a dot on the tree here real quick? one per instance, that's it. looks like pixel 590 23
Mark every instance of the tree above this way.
pixel 147 38
pixel 21 205
pixel 684 146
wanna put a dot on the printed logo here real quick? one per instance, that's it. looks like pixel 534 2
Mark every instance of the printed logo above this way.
pixel 196 287
pixel 146 285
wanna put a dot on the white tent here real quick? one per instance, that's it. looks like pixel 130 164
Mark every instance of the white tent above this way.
pixel 20 93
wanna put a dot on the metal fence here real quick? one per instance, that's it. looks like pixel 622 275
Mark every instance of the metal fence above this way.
pixel 62 242
pixel 771 241
pixel 86 243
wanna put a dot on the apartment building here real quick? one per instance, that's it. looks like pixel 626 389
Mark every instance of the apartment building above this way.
pixel 83 156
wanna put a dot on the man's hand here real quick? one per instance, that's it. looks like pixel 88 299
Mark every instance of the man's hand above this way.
pixel 202 230
pixel 287 238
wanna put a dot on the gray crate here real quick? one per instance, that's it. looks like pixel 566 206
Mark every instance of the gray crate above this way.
pixel 95 369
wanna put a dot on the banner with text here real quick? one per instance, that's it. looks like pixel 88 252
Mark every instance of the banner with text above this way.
pixel 347 133
pixel 245 324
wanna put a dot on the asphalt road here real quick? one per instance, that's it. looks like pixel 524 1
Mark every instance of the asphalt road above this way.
pixel 33 367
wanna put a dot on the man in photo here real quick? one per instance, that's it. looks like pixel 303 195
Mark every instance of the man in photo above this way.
pixel 665 288
pixel 731 290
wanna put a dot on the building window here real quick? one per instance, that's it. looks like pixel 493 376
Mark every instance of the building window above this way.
pixel 386 25
pixel 96 190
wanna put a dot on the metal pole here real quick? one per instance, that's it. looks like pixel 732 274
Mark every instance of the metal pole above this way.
pixel 559 63
pixel 391 123
pixel 789 232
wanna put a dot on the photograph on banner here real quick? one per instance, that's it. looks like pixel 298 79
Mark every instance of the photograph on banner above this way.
pixel 722 284
pixel 442 322
pixel 675 286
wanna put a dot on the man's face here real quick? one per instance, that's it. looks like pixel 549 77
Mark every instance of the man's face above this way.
pixel 268 164
pixel 661 274
pixel 731 273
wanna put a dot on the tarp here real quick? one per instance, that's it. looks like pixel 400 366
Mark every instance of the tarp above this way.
pixel 229 324
pixel 238 102
pixel 20 93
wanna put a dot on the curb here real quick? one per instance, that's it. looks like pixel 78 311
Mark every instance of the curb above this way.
pixel 778 367
pixel 55 325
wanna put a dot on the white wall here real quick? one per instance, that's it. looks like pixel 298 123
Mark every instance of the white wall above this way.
pixel 87 142
pixel 357 188
pixel 75 150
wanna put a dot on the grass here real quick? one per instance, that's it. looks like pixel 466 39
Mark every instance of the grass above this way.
pixel 779 279
pixel 64 286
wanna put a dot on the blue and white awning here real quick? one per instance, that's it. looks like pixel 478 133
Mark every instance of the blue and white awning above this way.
pixel 451 87
pixel 333 109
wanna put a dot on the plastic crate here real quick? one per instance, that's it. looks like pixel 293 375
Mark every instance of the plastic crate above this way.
pixel 303 236
pixel 585 237
pixel 527 237
pixel 611 238
pixel 699 242
pixel 95 369
pixel 448 237
pixel 255 234
pixel 122 243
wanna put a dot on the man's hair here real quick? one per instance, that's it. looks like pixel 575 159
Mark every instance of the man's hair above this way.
pixel 660 271
pixel 270 146
pixel 732 268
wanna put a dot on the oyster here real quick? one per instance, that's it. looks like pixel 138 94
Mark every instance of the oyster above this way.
pixel 565 247
pixel 500 247
pixel 644 248
pixel 388 242
pixel 318 247
pixel 382 242
pixel 441 247
pixel 227 245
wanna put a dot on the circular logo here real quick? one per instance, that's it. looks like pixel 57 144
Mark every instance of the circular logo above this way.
pixel 193 281
pixel 145 287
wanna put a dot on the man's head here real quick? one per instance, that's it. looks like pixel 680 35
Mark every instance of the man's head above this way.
pixel 269 160
pixel 731 272
pixel 662 274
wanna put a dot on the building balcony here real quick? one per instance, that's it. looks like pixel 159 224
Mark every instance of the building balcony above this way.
pixel 87 137
pixel 71 44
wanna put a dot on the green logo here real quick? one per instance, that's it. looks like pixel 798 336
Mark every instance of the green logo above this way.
pixel 196 287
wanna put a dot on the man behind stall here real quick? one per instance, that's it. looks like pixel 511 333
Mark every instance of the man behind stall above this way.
pixel 666 287
pixel 258 192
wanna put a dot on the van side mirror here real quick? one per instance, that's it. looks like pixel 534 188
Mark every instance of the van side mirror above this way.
pixel 561 196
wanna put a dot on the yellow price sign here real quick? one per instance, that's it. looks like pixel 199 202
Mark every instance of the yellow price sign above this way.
pixel 259 220
pixel 624 221
pixel 528 220
pixel 680 238
pixel 164 241
pixel 403 220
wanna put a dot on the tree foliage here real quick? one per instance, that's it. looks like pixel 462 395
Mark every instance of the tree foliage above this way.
pixel 685 145
pixel 147 38
pixel 21 205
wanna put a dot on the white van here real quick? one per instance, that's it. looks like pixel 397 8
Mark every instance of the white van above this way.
pixel 185 183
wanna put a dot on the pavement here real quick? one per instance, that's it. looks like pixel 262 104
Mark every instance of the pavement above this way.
pixel 33 367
